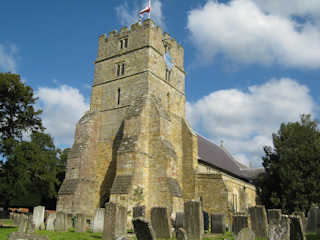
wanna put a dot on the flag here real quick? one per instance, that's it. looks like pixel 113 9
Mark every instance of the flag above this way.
pixel 147 9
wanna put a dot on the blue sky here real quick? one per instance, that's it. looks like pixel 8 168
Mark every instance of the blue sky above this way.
pixel 251 64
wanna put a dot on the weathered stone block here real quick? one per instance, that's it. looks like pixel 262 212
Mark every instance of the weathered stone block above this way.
pixel 23 226
pixel 239 222
pixel 274 216
pixel 280 231
pixel 313 219
pixel 193 223
pixel 38 216
pixel 80 223
pixel 115 221
pixel 60 225
pixel 143 229
pixel 50 222
pixel 98 221
pixel 218 223
pixel 246 234
pixel 259 221
pixel 161 222
pixel 296 228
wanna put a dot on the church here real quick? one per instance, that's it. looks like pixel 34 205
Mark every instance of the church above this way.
pixel 135 147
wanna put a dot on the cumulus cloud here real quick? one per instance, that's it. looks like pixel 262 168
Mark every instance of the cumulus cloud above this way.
pixel 245 120
pixel 256 31
pixel 129 15
pixel 8 58
pixel 62 108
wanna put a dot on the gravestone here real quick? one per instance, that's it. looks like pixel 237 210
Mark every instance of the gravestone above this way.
pixel 246 234
pixel 50 222
pixel 38 216
pixel 238 223
pixel 313 220
pixel 115 221
pixel 303 219
pixel 259 221
pixel 181 234
pixel 205 221
pixel 98 220
pixel 23 226
pixel 31 226
pixel 60 225
pixel 80 223
pixel 143 229
pixel 218 223
pixel 193 222
pixel 26 236
pixel 280 231
pixel 296 228
pixel 161 223
pixel 139 211
pixel 178 223
pixel 274 216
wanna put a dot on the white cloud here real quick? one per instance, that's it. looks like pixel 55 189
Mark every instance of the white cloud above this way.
pixel 245 120
pixel 243 31
pixel 8 58
pixel 62 108
pixel 128 16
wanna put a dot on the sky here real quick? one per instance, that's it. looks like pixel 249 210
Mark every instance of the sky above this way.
pixel 251 64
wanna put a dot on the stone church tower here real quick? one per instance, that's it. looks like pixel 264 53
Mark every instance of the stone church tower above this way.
pixel 134 145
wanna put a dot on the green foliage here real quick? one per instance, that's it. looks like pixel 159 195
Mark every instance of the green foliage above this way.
pixel 292 167
pixel 17 114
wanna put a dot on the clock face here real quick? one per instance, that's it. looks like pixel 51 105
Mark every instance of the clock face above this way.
pixel 168 60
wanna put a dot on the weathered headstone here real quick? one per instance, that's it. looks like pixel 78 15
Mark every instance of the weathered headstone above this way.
pixel 23 226
pixel 26 236
pixel 181 234
pixel 246 234
pixel 238 223
pixel 313 219
pixel 161 223
pixel 31 226
pixel 98 220
pixel 303 219
pixel 259 221
pixel 60 225
pixel 205 221
pixel 80 223
pixel 143 229
pixel 178 223
pixel 115 221
pixel 296 228
pixel 50 222
pixel 38 216
pixel 218 223
pixel 280 231
pixel 193 222
pixel 139 211
pixel 274 216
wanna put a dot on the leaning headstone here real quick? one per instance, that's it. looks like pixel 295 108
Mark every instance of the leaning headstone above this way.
pixel 193 222
pixel 296 228
pixel 274 216
pixel 181 234
pixel 115 221
pixel 280 231
pixel 259 221
pixel 205 221
pixel 246 234
pixel 313 219
pixel 143 229
pixel 50 222
pixel 238 223
pixel 80 223
pixel 161 223
pixel 179 220
pixel 139 211
pixel 60 225
pixel 26 236
pixel 218 223
pixel 98 220
pixel 38 216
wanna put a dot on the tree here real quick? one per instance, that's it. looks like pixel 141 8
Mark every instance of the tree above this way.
pixel 17 114
pixel 292 167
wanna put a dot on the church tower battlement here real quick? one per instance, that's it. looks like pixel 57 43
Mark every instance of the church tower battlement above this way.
pixel 134 139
